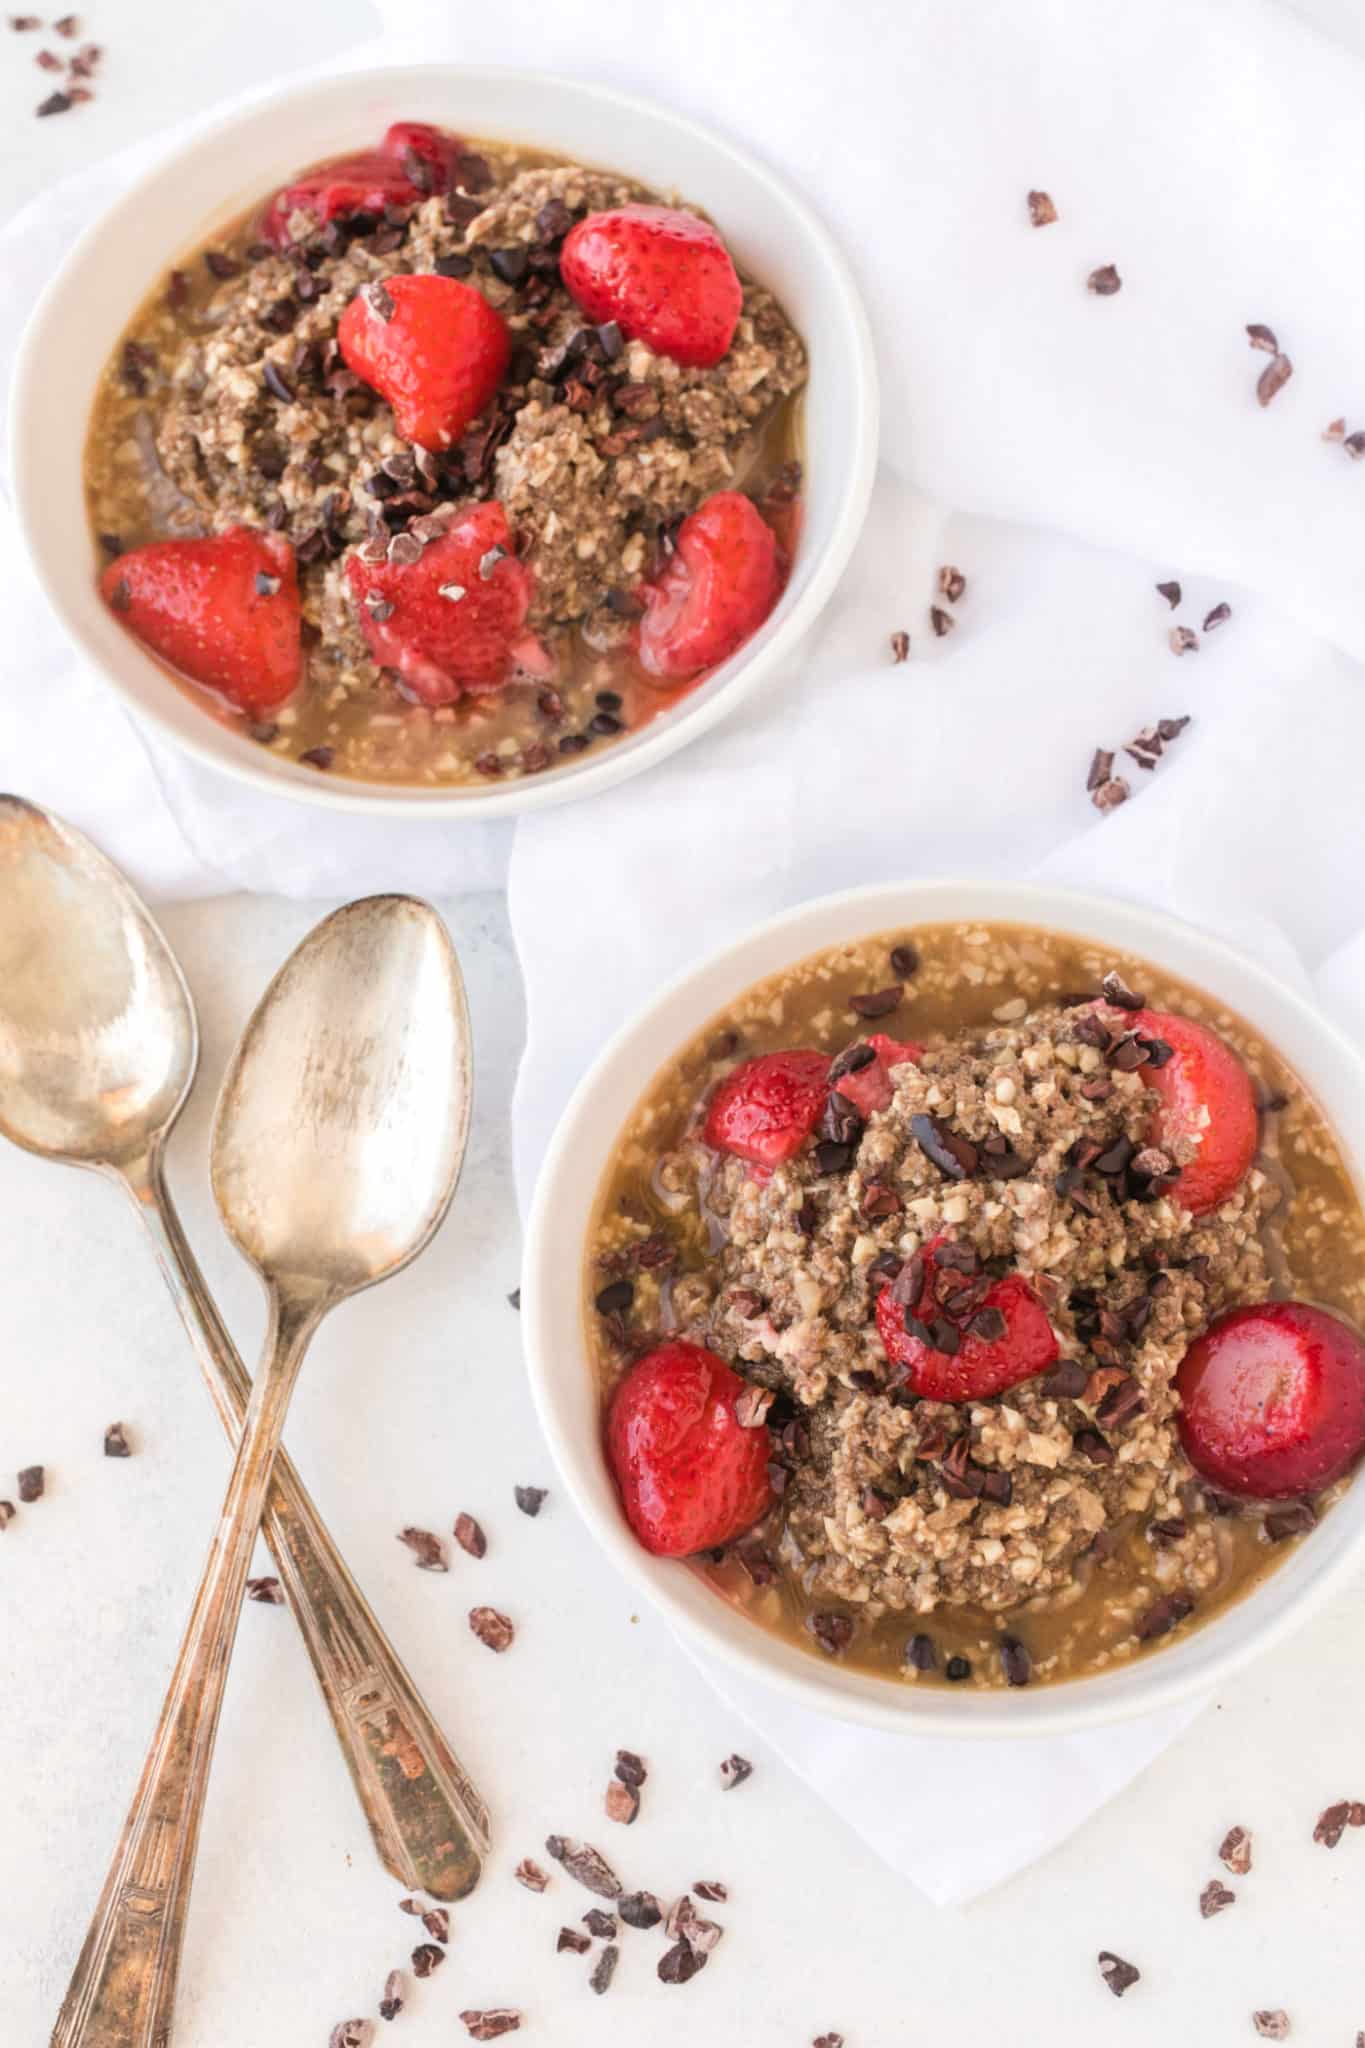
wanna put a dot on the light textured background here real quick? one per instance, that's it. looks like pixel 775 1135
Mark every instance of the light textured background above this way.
pixel 414 1407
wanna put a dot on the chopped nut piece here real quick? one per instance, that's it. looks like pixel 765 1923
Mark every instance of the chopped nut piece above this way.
pixel 493 1629
pixel 1235 1851
pixel 1104 282
pixel 1117 1974
pixel 1041 213
pixel 529 1873
pixel 428 1550
pixel 1215 1897
pixel 470 1536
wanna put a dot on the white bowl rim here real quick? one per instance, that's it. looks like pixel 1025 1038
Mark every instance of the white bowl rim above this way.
pixel 665 734
pixel 1196 1664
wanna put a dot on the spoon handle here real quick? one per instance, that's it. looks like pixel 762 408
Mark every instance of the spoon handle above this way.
pixel 123 1986
pixel 429 1824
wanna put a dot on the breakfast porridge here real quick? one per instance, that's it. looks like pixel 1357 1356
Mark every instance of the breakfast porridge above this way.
pixel 978 1307
pixel 450 463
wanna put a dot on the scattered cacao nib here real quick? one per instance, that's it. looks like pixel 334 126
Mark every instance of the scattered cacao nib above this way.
pixel 31 1483
pixel 1262 337
pixel 350 2034
pixel 116 1444
pixel 904 960
pixel 605 1968
pixel 7 1513
pixel 55 103
pixel 615 1298
pixel 379 302
pixel 436 1920
pixel 922 1653
pixel 734 1771
pixel 1292 1520
pixel 428 1550
pixel 318 757
pixel 837 2040
pixel 1184 640
pixel 900 647
pixel 639 1909
pixel 1116 991
pixel 391 2004
pixel 1067 1381
pixel 880 1201
pixel 1101 768
pixel 1117 1974
pixel 413 1906
pixel 599 1924
pixel 681 1963
pixel 1111 794
pixel 23 23
pixel 1335 430
pixel 530 1499
pixel 1164 1616
pixel 1216 1897
pixel 1104 282
pixel 574 1942
pixel 951 1153
pixel 1332 1824
pixel 1273 379
pixel 752 1405
pixel 1235 1851
pixel 998 1488
pixel 1173 1530
pixel 585 1863
pixel 877 1002
pixel 1219 616
pixel 941 621
pixel 833 1632
pixel 952 584
pixel 1120 1404
pixel 1015 1662
pixel 470 1536
pixel 712 1890
pixel 630 1768
pixel 493 1629
pixel 491 2023
pixel 1041 213
pixel 529 1873
pixel 1271 2026
pixel 622 1802
pixel 267 1590
pixel 956 1669
pixel 1171 592
pixel 426 1957
pixel 1354 444
pixel 1094 1447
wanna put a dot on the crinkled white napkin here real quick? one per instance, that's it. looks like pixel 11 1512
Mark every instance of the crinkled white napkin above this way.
pixel 1210 154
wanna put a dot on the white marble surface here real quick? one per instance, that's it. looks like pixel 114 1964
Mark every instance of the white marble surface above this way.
pixel 414 1407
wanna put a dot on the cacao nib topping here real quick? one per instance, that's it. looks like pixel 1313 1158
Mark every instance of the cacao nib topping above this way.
pixel 318 757
pixel 378 301
pixel 615 1298
pixel 1117 1974
pixel 1015 1662
pixel 470 1536
pixel 946 1148
pixel 1334 1820
pixel 878 1003
pixel 1219 616
pixel 116 1444
pixel 904 960
pixel 922 1653
pixel 1216 1897
pixel 681 1963
pixel 1292 1520
pixel 1067 1380
pixel 833 1632
pixel 957 1669
pixel 1164 1616
pixel 1101 768
pixel 942 622
pixel 1094 1447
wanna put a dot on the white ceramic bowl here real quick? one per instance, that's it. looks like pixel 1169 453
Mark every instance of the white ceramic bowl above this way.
pixel 215 177
pixel 562 1378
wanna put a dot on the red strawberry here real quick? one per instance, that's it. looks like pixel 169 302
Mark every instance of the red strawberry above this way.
pixel 717 588
pixel 665 277
pixel 432 346
pixel 224 611
pixel 870 1087
pixel 767 1108
pixel 690 1475
pixel 368 181
pixel 1005 1338
pixel 1206 1095
pixel 453 620
pixel 1273 1400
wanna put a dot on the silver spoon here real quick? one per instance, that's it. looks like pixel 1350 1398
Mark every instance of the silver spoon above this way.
pixel 336 1150
pixel 98 1051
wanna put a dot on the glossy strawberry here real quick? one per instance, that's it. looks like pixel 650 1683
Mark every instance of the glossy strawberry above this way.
pixel 223 610
pixel 432 346
pixel 871 1086
pixel 767 1108
pixel 664 276
pixel 453 621
pixel 413 160
pixel 1005 1338
pixel 1206 1097
pixel 689 1474
pixel 1273 1400
pixel 717 588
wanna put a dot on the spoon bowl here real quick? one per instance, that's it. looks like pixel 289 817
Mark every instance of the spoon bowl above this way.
pixel 344 1113
pixel 98 1040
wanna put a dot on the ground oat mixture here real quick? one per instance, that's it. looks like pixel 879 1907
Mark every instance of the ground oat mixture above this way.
pixel 1057 1527
pixel 228 401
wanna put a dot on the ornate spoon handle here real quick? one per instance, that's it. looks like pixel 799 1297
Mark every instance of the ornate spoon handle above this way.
pixel 123 1986
pixel 429 1824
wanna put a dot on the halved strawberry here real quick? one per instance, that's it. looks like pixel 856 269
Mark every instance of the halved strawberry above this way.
pixel 689 1473
pixel 869 1086
pixel 664 276
pixel 718 586
pixel 966 1353
pixel 767 1108
pixel 367 181
pixel 453 621
pixel 432 346
pixel 1206 1097
pixel 1273 1400
pixel 223 610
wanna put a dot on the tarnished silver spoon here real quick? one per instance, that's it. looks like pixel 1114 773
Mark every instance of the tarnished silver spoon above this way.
pixel 98 1050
